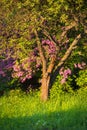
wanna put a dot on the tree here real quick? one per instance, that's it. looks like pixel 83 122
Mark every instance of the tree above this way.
pixel 51 30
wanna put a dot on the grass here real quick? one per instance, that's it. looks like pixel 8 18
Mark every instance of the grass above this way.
pixel 26 112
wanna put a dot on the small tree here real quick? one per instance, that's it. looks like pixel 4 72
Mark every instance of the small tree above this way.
pixel 51 30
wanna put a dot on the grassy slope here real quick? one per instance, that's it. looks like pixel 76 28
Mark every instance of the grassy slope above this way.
pixel 65 112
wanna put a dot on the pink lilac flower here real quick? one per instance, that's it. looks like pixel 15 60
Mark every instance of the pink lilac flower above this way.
pixel 63 81
pixel 19 74
pixel 28 76
pixel 83 63
pixel 75 65
pixel 1 72
pixel 65 74
pixel 16 68
pixel 79 66
pixel 23 79
pixel 61 71
pixel 69 71
pixel 43 41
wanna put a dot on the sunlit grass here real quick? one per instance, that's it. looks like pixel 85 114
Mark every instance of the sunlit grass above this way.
pixel 19 111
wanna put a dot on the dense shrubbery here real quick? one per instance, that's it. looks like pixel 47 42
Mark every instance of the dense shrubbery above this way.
pixel 69 81
pixel 81 80
pixel 59 88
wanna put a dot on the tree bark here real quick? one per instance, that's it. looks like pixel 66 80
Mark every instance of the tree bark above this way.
pixel 46 83
pixel 45 88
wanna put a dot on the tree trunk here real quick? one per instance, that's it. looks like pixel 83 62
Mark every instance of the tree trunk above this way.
pixel 45 87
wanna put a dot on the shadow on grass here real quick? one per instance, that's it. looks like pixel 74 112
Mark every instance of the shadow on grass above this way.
pixel 66 120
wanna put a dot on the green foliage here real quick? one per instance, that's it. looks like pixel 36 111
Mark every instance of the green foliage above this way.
pixel 82 78
pixel 8 84
pixel 3 85
pixel 58 88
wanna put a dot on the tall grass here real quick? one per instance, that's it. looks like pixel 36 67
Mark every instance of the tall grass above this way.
pixel 19 111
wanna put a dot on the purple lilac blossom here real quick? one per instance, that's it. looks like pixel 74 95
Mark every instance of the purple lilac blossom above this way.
pixel 64 73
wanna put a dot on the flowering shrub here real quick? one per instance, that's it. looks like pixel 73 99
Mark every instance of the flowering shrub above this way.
pixel 24 68
pixel 49 47
pixel 64 73
pixel 68 80
pixel 28 66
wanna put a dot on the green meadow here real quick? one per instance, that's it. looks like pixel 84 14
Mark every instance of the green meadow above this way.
pixel 19 111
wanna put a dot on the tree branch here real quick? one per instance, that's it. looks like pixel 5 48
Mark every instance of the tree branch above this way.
pixel 49 36
pixel 69 50
pixel 64 58
pixel 66 30
pixel 42 56
pixel 51 65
